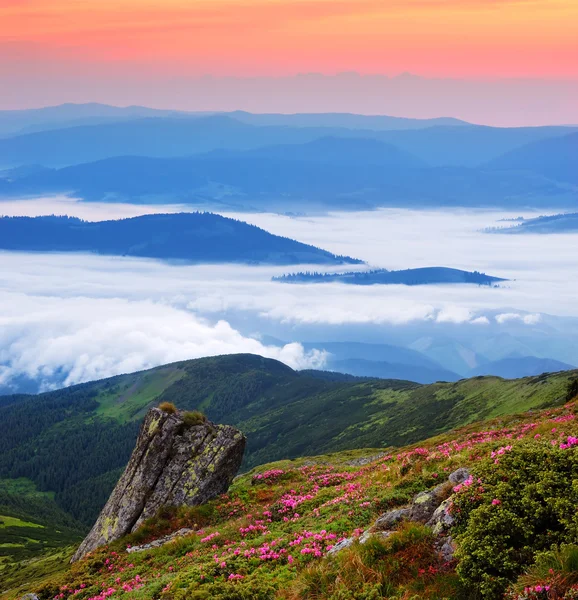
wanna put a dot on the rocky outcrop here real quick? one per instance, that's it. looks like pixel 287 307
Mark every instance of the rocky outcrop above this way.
pixel 430 508
pixel 177 461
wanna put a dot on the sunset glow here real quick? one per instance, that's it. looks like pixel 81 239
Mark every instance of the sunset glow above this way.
pixel 434 38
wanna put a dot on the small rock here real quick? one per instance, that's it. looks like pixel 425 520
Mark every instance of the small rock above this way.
pixel 441 520
pixel 29 597
pixel 447 549
pixel 459 476
pixel 425 503
pixel 161 541
pixel 391 518
pixel 346 543
pixel 360 462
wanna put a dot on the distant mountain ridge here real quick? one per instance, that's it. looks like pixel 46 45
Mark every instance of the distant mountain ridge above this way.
pixel 70 115
pixel 555 158
pixel 393 370
pixel 523 366
pixel 296 179
pixel 332 150
pixel 174 135
pixel 192 237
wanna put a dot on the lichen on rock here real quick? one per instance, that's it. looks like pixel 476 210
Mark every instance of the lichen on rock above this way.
pixel 173 464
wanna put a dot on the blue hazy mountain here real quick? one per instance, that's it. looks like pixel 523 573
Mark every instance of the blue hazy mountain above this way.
pixel 184 135
pixel 469 146
pixel 93 113
pixel 419 276
pixel 328 173
pixel 523 366
pixel 339 151
pixel 384 361
pixel 71 115
pixel 555 158
pixel 387 370
pixel 191 237
pixel 562 223
pixel 348 120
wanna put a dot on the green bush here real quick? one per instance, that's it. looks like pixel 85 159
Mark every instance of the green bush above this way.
pixel 194 417
pixel 168 407
pixel 555 569
pixel 572 390
pixel 521 504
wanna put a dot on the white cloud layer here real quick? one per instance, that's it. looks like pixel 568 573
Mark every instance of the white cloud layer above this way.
pixel 90 338
pixel 93 316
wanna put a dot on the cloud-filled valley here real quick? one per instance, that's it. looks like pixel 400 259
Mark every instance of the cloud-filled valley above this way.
pixel 75 317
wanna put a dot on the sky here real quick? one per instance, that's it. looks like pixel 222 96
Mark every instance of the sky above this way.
pixel 94 316
pixel 103 50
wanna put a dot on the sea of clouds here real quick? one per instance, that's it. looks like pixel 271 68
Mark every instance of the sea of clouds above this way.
pixel 69 318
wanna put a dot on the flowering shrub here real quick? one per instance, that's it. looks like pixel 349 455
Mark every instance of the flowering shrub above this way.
pixel 268 476
pixel 526 503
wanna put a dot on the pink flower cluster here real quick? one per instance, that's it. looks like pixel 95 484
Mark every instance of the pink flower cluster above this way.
pixel 563 418
pixel 268 476
pixel 258 527
pixel 570 441
pixel 210 537
pixel 500 452
pixel 466 484
pixel 313 543
pixel 292 500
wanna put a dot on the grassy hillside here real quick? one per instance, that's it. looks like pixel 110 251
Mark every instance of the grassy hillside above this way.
pixel 269 537
pixel 74 442
pixel 70 446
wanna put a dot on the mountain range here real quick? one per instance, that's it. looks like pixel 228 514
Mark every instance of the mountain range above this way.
pixel 146 132
pixel 285 162
pixel 191 237
pixel 70 115
pixel 555 158
pixel 249 182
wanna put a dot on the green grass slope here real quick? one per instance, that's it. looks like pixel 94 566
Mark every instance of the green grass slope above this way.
pixel 268 538
pixel 72 444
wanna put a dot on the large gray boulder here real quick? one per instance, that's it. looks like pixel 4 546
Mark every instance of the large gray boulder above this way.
pixel 175 462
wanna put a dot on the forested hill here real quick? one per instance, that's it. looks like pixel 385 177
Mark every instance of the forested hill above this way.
pixel 193 237
pixel 420 276
pixel 74 442
pixel 562 223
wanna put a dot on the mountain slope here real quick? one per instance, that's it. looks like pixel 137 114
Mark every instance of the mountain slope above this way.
pixel 171 135
pixel 555 158
pixel 348 120
pixel 292 530
pixel 192 237
pixel 562 223
pixel 523 366
pixel 73 442
pixel 261 182
pixel 14 122
pixel 392 370
pixel 346 152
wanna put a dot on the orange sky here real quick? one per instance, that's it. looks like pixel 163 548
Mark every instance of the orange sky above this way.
pixel 446 38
